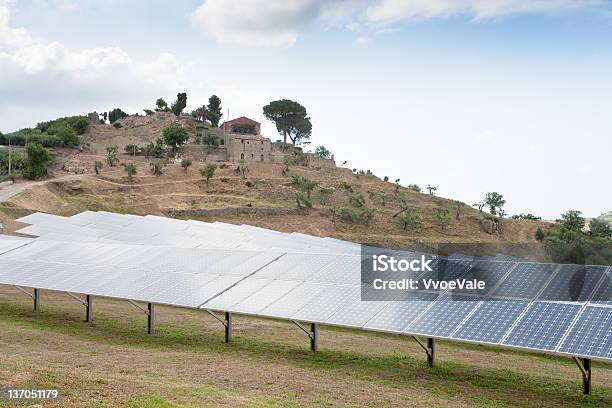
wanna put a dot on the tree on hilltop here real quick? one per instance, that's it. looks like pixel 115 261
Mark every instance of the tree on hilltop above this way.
pixel 291 120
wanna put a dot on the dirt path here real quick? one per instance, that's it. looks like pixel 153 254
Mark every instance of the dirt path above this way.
pixel 10 191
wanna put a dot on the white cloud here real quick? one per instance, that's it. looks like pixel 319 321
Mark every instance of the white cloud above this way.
pixel 48 77
pixel 263 22
pixel 395 10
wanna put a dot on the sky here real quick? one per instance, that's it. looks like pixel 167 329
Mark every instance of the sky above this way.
pixel 471 96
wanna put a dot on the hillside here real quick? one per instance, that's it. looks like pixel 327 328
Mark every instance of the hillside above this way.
pixel 265 196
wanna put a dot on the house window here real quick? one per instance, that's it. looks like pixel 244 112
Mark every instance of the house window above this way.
pixel 262 159
pixel 241 156
pixel 242 141
pixel 262 142
pixel 247 142
pixel 252 155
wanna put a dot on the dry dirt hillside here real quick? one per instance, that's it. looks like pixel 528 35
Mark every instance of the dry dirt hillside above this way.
pixel 264 196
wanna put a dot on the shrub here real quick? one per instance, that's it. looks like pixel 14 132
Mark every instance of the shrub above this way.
pixel 386 179
pixel 208 172
pixel 443 216
pixel 326 193
pixel 210 139
pixel 322 152
pixel 174 136
pixel 539 234
pixel 148 112
pixel 249 184
pixel 111 155
pixel 410 218
pixel 302 200
pixel 414 187
pixel 154 150
pixel 18 161
pixel 67 135
pixel 304 184
pixel 185 163
pixel 157 167
pixel 117 125
pixel 97 166
pixel 346 186
pixel 130 169
pixel 116 114
pixel 357 214
pixel 38 159
pixel 357 200
pixel 132 149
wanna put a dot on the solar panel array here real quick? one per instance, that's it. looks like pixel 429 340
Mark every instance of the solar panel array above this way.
pixel 254 271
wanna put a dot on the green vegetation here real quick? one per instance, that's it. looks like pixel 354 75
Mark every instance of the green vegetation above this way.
pixel 130 169
pixel 185 163
pixel 37 160
pixel 154 150
pixel 148 112
pixel 324 153
pixel 214 110
pixel 291 120
pixel 326 193
pixel 179 104
pixel 157 167
pixel 117 125
pixel 303 201
pixel 527 216
pixel 208 172
pixel 358 212
pixel 55 133
pixel 242 169
pixel 539 234
pixel 209 139
pixel 133 150
pixel 304 184
pixel 568 243
pixel 410 218
pixel 495 202
pixel 414 187
pixel 443 216
pixel 458 208
pixel 18 161
pixel 161 106
pixel 116 114
pixel 175 135
pixel 97 166
pixel 111 155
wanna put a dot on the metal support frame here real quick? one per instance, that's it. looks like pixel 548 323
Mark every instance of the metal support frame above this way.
pixel 150 318
pixel 88 303
pixel 36 298
pixel 584 364
pixel 430 349
pixel 227 324
pixel 150 312
pixel 313 334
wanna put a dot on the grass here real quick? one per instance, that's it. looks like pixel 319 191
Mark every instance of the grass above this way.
pixel 268 364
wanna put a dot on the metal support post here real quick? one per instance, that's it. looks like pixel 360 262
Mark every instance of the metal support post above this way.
pixel 36 298
pixel 228 327
pixel 314 337
pixel 584 364
pixel 431 353
pixel 89 308
pixel 150 318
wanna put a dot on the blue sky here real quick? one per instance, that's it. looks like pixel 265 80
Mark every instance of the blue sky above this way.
pixel 470 95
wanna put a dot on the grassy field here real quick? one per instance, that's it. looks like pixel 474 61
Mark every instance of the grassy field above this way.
pixel 113 362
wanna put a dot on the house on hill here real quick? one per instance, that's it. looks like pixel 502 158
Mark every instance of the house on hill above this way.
pixel 241 140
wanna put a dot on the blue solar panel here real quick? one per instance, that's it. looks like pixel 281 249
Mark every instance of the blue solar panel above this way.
pixel 396 316
pixel 443 317
pixel 603 295
pixel 525 281
pixel 573 283
pixel 542 326
pixel 491 321
pixel 489 272
pixel 591 335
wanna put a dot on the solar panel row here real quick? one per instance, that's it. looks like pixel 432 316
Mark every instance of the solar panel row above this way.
pixel 205 265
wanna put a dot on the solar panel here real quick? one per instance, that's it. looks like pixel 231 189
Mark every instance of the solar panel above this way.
pixel 305 278
pixel 542 326
pixel 397 316
pixel 573 283
pixel 290 303
pixel 319 309
pixel 490 321
pixel 525 280
pixel 443 316
pixel 591 335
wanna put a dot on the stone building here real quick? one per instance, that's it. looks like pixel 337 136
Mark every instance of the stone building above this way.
pixel 242 125
pixel 242 141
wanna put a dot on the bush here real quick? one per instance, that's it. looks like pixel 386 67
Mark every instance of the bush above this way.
pixel 357 200
pixel 132 148
pixel 174 136
pixel 77 123
pixel 157 167
pixel 185 163
pixel 115 115
pixel 111 155
pixel 97 166
pixel 410 218
pixel 539 234
pixel 117 125
pixel 67 135
pixel 38 159
pixel 303 201
pixel 357 214
pixel 154 150
pixel 18 161
pixel 346 186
